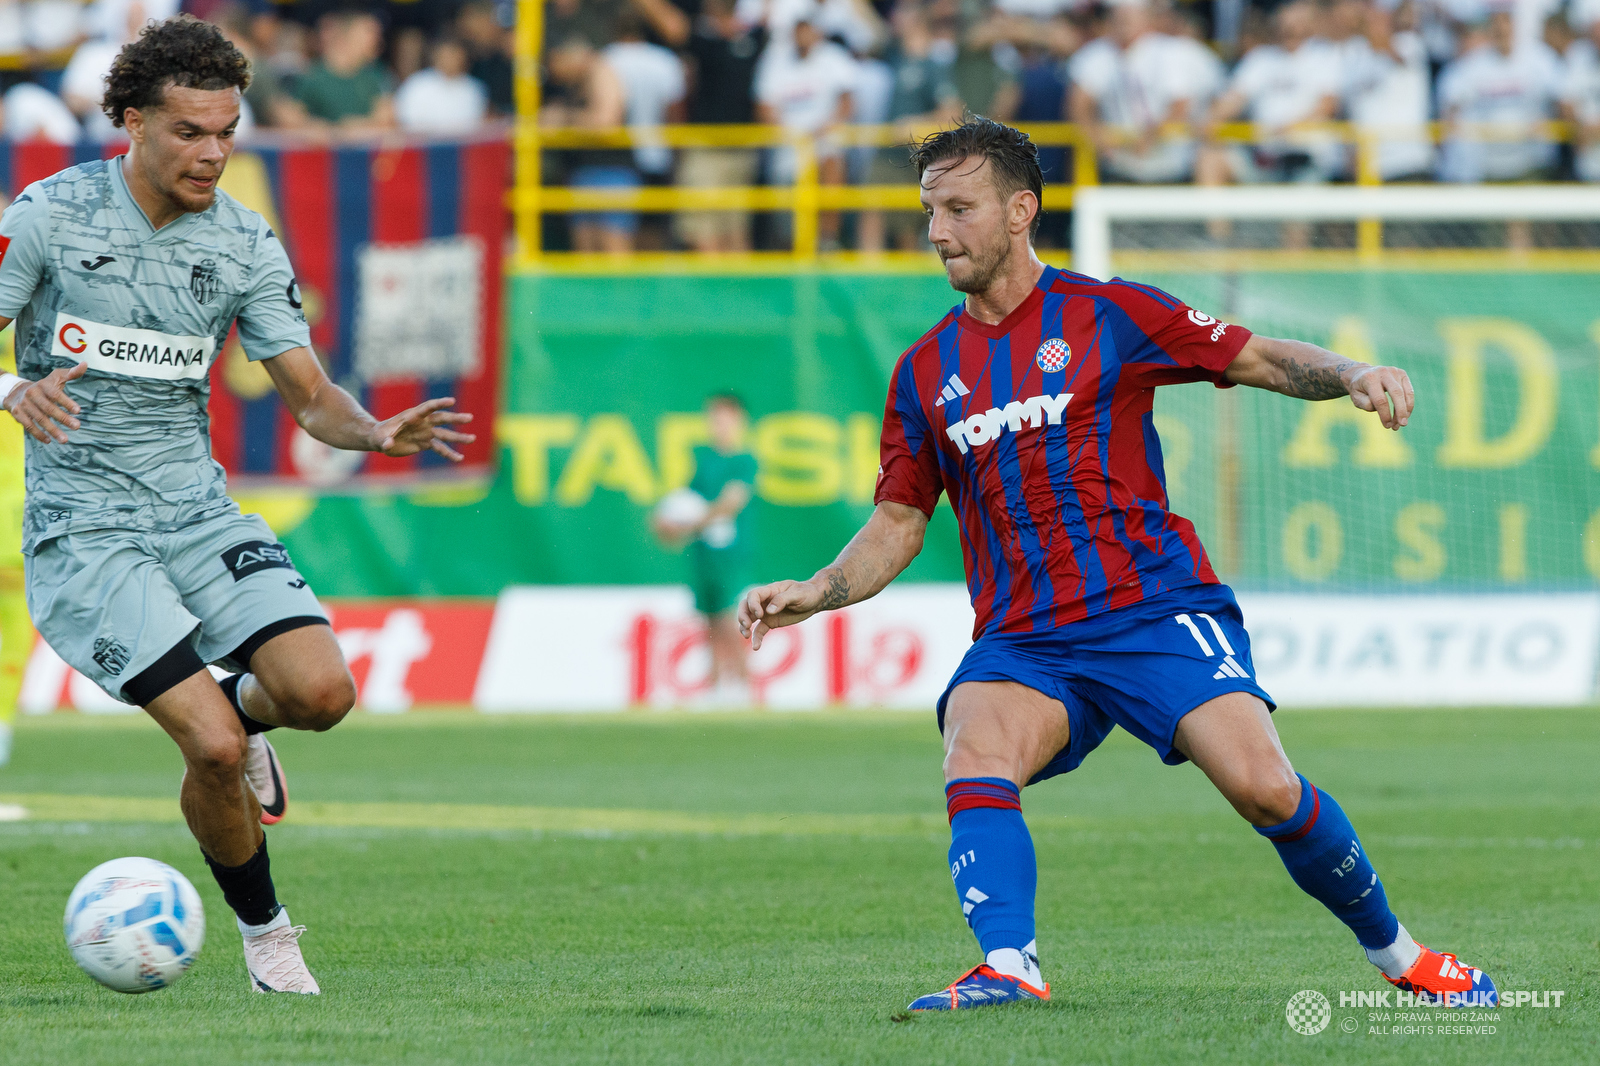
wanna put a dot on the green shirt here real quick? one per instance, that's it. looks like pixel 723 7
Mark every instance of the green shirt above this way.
pixel 712 473
pixel 334 97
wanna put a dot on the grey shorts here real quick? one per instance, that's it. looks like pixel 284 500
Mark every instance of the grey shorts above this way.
pixel 112 602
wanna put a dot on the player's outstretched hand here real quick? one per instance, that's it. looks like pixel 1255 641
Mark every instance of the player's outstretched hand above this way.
pixel 42 407
pixel 1386 390
pixel 782 603
pixel 426 427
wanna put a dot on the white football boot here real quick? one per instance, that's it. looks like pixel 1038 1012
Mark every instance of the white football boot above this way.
pixel 265 774
pixel 272 956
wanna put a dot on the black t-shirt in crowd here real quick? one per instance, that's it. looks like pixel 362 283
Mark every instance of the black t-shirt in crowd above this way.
pixel 726 70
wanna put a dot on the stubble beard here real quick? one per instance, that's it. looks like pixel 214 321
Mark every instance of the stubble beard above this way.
pixel 983 269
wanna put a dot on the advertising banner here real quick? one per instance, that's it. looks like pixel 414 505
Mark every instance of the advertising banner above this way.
pixel 1493 487
pixel 607 648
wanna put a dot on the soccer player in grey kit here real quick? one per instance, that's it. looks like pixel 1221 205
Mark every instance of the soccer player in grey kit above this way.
pixel 124 277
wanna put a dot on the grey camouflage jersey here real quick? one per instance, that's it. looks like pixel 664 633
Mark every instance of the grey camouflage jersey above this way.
pixel 88 279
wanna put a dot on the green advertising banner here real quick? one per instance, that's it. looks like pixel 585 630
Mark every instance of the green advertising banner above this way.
pixel 1493 485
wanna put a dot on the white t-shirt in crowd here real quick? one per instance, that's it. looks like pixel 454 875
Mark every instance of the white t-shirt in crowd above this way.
pixel 50 25
pixel 85 76
pixel 832 18
pixel 805 91
pixel 431 102
pixel 1033 9
pixel 1285 87
pixel 1510 93
pixel 1388 95
pixel 33 114
pixel 652 78
pixel 1136 86
pixel 1580 89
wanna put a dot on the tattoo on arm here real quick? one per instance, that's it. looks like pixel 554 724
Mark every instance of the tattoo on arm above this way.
pixel 1310 382
pixel 837 592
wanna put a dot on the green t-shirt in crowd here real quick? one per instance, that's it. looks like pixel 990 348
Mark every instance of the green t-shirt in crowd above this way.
pixel 712 472
pixel 335 97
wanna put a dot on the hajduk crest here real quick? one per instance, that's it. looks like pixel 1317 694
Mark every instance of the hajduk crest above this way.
pixel 1053 355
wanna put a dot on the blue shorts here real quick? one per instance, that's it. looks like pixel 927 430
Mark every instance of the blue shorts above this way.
pixel 1143 667
pixel 603 177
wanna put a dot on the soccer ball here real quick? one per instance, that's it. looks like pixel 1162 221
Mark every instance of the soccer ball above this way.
pixel 685 507
pixel 135 925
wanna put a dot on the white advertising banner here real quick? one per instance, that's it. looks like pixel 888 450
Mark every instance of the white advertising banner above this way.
pixel 1379 651
pixel 602 648
pixel 597 648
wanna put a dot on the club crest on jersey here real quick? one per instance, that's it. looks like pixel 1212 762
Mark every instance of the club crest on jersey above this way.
pixel 204 281
pixel 1053 355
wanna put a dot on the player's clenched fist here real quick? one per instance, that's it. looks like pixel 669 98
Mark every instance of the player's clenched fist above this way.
pixel 43 407
pixel 1386 390
pixel 782 603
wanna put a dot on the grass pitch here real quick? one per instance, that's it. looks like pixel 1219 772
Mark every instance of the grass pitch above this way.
pixel 661 889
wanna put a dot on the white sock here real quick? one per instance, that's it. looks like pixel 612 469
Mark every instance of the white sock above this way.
pixel 256 930
pixel 1023 965
pixel 1398 957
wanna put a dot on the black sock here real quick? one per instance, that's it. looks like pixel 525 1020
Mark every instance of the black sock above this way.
pixel 230 689
pixel 248 888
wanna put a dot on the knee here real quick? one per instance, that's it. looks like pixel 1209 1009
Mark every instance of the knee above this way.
pixel 219 757
pixel 1270 797
pixel 320 703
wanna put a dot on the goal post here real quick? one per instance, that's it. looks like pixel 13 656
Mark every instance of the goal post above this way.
pixel 1096 209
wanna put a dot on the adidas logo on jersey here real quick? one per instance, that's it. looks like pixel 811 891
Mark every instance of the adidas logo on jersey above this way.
pixel 952 389
pixel 984 427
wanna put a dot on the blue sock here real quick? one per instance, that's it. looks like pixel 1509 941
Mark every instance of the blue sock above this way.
pixel 991 860
pixel 1326 859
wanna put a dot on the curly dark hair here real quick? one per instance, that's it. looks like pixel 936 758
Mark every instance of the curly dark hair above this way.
pixel 181 51
pixel 1013 158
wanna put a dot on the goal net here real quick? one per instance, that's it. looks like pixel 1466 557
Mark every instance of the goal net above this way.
pixel 1485 295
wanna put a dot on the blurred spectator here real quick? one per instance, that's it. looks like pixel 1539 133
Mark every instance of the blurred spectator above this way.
pixel 594 97
pixel 967 41
pixel 1130 84
pixel 807 90
pixel 723 54
pixel 1277 86
pixel 408 53
pixel 653 83
pixel 31 113
pixel 347 87
pixel 922 95
pixel 110 20
pixel 266 100
pixel 1492 100
pixel 596 21
pixel 1580 93
pixel 1387 83
pixel 854 22
pixel 443 98
pixel 489 44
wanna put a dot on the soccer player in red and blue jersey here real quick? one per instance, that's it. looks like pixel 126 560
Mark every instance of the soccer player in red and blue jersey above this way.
pixel 1028 406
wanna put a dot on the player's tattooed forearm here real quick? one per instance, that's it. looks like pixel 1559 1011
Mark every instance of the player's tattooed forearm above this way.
pixel 837 592
pixel 1316 382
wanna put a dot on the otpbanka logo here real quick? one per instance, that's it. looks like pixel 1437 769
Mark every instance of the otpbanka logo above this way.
pixel 1201 319
pixel 1308 1012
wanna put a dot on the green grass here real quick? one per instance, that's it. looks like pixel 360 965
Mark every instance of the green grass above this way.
pixel 1169 930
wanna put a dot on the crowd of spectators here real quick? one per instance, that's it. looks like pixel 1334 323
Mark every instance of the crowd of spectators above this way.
pixel 328 70
pixel 1154 83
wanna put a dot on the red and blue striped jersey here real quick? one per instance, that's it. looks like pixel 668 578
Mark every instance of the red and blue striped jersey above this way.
pixel 1039 431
